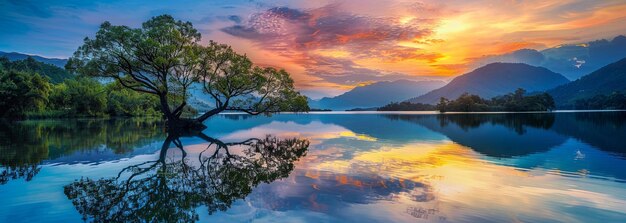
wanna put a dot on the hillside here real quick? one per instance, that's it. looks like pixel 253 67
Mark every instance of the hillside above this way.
pixel 13 56
pixel 30 64
pixel 606 80
pixel 496 79
pixel 377 94
pixel 571 60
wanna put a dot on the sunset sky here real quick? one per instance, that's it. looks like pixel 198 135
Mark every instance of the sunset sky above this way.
pixel 331 46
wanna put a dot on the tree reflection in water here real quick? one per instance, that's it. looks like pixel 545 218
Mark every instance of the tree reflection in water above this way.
pixel 24 146
pixel 171 189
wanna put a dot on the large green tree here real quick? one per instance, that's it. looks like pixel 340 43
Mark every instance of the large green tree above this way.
pixel 164 58
pixel 22 92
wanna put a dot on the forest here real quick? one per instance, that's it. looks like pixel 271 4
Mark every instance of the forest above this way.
pixel 406 106
pixel 33 89
pixel 616 100
pixel 515 101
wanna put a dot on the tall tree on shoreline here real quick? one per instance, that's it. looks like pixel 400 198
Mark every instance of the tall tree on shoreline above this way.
pixel 164 58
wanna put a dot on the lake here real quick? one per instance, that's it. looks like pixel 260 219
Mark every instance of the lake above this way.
pixel 319 167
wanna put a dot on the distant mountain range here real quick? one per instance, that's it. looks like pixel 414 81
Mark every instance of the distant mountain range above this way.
pixel 571 60
pixel 606 80
pixel 494 80
pixel 376 94
pixel 596 58
pixel 13 56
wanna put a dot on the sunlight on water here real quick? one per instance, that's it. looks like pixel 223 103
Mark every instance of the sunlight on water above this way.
pixel 369 167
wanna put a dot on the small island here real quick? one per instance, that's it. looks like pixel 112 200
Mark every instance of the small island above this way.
pixel 516 101
pixel 512 102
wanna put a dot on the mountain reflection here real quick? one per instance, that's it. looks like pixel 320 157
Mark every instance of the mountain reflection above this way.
pixel 604 130
pixel 363 167
pixel 521 134
pixel 170 189
pixel 496 135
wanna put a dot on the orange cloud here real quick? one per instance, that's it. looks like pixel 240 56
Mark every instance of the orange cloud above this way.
pixel 340 45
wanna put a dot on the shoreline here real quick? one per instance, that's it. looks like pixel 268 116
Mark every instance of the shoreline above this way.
pixel 426 112
pixel 322 113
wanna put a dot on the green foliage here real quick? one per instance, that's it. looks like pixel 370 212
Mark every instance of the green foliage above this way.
pixel 81 96
pixel 406 106
pixel 237 85
pixel 613 101
pixel 125 102
pixel 28 95
pixel 22 92
pixel 515 101
pixel 164 58
pixel 30 65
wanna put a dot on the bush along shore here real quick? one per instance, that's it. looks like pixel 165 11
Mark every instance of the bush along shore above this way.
pixel 30 89
pixel 517 101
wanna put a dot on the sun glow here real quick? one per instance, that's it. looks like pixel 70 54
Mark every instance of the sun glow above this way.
pixel 452 26
pixel 406 19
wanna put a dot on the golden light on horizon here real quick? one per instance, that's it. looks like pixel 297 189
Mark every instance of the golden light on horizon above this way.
pixel 343 45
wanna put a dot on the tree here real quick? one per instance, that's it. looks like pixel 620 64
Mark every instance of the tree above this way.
pixel 406 106
pixel 80 96
pixel 122 101
pixel 515 101
pixel 443 102
pixel 22 92
pixel 30 65
pixel 171 190
pixel 164 58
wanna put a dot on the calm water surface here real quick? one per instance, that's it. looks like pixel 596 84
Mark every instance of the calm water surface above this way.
pixel 380 167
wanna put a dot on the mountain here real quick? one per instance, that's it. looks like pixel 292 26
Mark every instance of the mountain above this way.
pixel 606 80
pixel 496 79
pixel 13 56
pixel 376 94
pixel 31 65
pixel 571 60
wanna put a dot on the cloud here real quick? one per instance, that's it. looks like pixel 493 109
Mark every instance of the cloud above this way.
pixel 527 56
pixel 327 28
pixel 333 45
pixel 234 18
pixel 321 39
pixel 346 72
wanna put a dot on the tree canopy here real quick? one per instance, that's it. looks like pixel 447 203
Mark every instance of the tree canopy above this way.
pixel 21 91
pixel 616 100
pixel 406 106
pixel 165 58
pixel 28 90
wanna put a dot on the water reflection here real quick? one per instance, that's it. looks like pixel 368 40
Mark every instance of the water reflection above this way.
pixel 496 135
pixel 471 168
pixel 170 189
pixel 509 135
pixel 324 168
pixel 603 130
pixel 26 145
pixel 573 144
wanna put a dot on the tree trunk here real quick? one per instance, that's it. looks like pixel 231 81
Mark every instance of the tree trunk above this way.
pixel 165 107
pixel 175 123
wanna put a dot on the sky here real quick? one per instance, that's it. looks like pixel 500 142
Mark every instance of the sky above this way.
pixel 331 46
